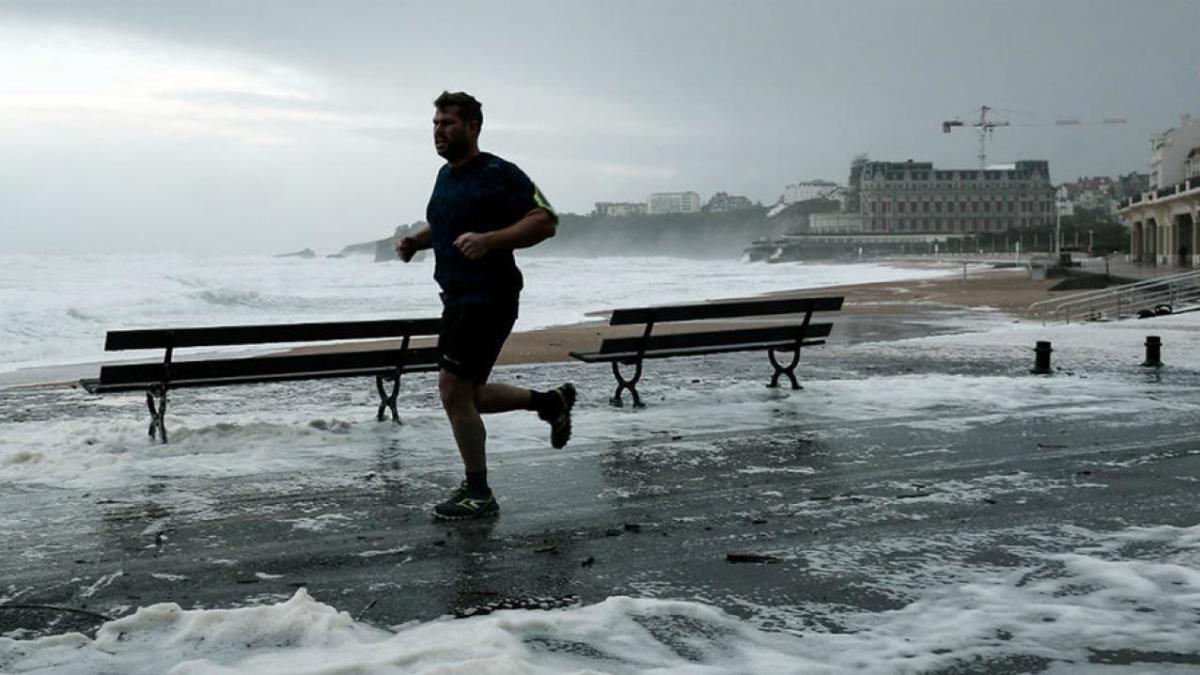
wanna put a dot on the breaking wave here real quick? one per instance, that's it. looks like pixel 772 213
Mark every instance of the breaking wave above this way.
pixel 228 297
pixel 80 315
pixel 56 309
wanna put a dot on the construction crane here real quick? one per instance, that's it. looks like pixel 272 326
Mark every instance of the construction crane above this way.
pixel 985 125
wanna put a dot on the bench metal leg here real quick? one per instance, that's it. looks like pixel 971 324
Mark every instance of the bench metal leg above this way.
pixel 630 384
pixel 158 413
pixel 387 401
pixel 789 370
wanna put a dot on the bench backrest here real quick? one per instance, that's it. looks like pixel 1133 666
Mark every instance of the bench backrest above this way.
pixel 268 368
pixel 163 338
pixel 717 339
pixel 724 310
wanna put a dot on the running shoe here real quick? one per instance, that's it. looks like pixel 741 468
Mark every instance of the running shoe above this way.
pixel 560 421
pixel 462 505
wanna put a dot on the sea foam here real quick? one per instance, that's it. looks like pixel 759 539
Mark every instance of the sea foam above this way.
pixel 1108 597
pixel 56 309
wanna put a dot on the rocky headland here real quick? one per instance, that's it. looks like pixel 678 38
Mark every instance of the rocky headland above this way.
pixel 694 235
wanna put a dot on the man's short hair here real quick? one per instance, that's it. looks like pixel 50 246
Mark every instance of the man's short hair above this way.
pixel 469 109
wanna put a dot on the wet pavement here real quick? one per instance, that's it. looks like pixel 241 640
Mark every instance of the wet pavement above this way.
pixel 839 516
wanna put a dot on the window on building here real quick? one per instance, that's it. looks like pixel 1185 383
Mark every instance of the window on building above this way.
pixel 925 207
pixel 937 207
pixel 902 206
pixel 974 207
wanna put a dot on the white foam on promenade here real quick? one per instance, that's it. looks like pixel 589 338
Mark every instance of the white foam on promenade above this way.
pixel 1135 590
pixel 1081 345
pixel 55 310
pixel 100 445
pixel 101 441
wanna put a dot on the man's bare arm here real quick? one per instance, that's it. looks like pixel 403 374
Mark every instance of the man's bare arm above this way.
pixel 535 227
pixel 408 245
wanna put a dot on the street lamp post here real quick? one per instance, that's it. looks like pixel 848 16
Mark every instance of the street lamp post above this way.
pixel 1062 204
pixel 1057 230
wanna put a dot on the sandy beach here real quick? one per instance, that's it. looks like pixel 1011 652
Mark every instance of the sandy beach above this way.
pixel 1008 291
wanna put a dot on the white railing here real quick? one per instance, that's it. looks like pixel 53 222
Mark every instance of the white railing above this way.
pixel 1113 304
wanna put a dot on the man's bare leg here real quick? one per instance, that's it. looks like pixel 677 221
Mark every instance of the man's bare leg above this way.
pixel 553 406
pixel 495 397
pixel 458 400
pixel 475 498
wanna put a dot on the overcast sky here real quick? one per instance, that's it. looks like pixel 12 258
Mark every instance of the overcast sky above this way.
pixel 263 126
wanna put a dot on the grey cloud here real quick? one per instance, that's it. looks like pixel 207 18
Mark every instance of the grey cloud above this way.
pixel 247 99
pixel 615 99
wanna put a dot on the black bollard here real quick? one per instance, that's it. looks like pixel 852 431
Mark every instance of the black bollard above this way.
pixel 1041 363
pixel 1153 352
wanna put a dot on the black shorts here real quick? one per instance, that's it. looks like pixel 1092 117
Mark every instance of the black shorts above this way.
pixel 472 336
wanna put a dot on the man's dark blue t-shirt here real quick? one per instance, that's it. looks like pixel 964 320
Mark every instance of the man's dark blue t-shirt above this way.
pixel 485 194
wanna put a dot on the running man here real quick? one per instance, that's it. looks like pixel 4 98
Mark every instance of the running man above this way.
pixel 481 209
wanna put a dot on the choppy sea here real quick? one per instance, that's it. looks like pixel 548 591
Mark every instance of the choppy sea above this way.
pixel 55 309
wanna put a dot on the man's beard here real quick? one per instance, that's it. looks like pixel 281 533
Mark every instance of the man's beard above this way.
pixel 455 149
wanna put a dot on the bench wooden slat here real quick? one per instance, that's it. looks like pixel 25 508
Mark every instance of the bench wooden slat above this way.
pixel 724 310
pixel 717 338
pixel 97 388
pixel 161 338
pixel 264 369
pixel 628 357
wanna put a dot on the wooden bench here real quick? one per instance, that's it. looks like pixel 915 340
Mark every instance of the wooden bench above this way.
pixel 788 337
pixel 156 379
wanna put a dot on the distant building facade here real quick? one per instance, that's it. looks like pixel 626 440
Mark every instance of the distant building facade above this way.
pixel 1192 166
pixel 1164 218
pixel 723 201
pixel 836 223
pixel 1170 152
pixel 620 208
pixel 812 189
pixel 1132 183
pixel 907 197
pixel 853 203
pixel 673 202
pixel 1096 193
